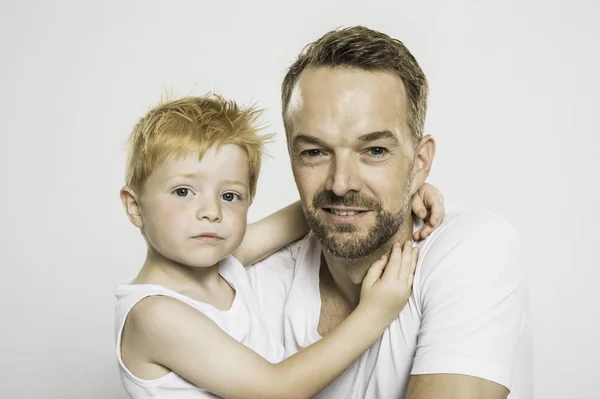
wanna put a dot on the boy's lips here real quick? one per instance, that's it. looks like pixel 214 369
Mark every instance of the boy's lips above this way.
pixel 208 237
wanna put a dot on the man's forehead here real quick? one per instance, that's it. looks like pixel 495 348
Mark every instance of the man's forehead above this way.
pixel 346 98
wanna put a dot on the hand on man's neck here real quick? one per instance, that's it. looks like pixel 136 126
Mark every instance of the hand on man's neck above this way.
pixel 346 275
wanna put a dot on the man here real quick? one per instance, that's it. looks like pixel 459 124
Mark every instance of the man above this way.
pixel 354 107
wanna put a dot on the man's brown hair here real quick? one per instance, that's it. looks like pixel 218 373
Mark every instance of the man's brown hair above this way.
pixel 364 48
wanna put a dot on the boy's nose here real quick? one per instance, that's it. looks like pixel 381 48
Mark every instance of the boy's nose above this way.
pixel 209 211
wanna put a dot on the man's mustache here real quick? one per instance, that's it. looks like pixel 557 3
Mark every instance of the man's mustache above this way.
pixel 328 198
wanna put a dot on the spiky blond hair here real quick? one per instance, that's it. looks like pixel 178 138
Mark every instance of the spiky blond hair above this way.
pixel 193 125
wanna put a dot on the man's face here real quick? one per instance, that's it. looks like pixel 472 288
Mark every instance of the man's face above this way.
pixel 352 156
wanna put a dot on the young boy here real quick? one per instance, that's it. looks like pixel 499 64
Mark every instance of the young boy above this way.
pixel 188 326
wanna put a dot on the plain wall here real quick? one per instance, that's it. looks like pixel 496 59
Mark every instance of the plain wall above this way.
pixel 514 92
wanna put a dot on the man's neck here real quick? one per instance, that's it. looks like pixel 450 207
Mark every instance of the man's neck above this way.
pixel 346 275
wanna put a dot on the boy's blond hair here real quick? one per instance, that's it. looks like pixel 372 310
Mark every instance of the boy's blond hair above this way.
pixel 192 125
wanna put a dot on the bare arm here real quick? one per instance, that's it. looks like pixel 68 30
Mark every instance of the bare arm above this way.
pixel 271 233
pixel 184 340
pixel 453 386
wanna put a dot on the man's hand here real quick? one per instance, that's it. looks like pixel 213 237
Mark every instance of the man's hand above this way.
pixel 428 204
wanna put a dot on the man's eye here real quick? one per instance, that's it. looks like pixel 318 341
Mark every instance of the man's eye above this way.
pixel 377 151
pixel 311 153
pixel 230 197
pixel 182 192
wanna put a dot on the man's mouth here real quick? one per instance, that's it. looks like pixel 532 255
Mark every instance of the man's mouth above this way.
pixel 344 212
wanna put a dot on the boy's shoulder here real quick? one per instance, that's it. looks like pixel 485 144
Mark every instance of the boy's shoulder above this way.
pixel 159 314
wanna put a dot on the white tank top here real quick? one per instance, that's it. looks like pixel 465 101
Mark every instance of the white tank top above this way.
pixel 244 322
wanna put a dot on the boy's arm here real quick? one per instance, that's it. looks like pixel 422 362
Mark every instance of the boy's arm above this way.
pixel 271 233
pixel 177 336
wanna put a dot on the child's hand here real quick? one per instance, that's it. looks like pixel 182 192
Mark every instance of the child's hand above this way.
pixel 428 203
pixel 388 283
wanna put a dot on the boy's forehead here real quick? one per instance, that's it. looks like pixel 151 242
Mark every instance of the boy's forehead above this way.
pixel 227 162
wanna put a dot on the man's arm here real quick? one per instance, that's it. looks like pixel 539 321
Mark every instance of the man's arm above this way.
pixel 473 311
pixel 436 386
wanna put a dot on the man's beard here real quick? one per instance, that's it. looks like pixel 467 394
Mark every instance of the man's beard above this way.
pixel 343 240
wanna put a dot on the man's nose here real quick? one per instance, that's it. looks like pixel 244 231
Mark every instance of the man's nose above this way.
pixel 343 176
pixel 209 209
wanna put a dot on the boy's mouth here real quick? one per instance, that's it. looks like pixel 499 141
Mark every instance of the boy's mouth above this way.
pixel 208 237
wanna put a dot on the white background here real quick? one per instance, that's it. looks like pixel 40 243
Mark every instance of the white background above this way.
pixel 514 91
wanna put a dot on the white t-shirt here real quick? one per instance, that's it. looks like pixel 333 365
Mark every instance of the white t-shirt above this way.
pixel 466 315
pixel 244 322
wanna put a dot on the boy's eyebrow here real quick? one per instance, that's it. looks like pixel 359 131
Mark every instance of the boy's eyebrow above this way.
pixel 198 175
pixel 236 182
pixel 185 175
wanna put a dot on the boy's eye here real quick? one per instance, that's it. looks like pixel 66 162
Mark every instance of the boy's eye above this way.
pixel 229 197
pixel 182 192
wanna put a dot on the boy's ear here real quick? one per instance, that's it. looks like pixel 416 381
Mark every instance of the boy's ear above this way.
pixel 132 206
pixel 423 161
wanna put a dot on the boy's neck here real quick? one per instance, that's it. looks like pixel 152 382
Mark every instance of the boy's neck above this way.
pixel 204 284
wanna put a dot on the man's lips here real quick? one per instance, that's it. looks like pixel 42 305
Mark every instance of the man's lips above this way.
pixel 344 215
pixel 344 210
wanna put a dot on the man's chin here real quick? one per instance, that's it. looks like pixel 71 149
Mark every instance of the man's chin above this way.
pixel 346 244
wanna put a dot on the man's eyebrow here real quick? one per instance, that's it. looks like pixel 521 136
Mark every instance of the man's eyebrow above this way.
pixel 307 139
pixel 384 134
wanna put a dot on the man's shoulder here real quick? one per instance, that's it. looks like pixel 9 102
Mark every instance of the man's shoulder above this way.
pixel 463 224
pixel 285 256
pixel 280 265
pixel 470 241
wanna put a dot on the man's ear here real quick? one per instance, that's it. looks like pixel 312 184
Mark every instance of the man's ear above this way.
pixel 423 161
pixel 132 206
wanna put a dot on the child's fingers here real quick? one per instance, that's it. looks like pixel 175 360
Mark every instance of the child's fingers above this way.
pixel 417 234
pixel 393 264
pixel 425 231
pixel 436 204
pixel 418 206
pixel 432 224
pixel 374 272
pixel 407 258
pixel 415 258
pixel 413 267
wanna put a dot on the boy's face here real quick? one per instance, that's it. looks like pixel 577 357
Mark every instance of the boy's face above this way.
pixel 194 212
